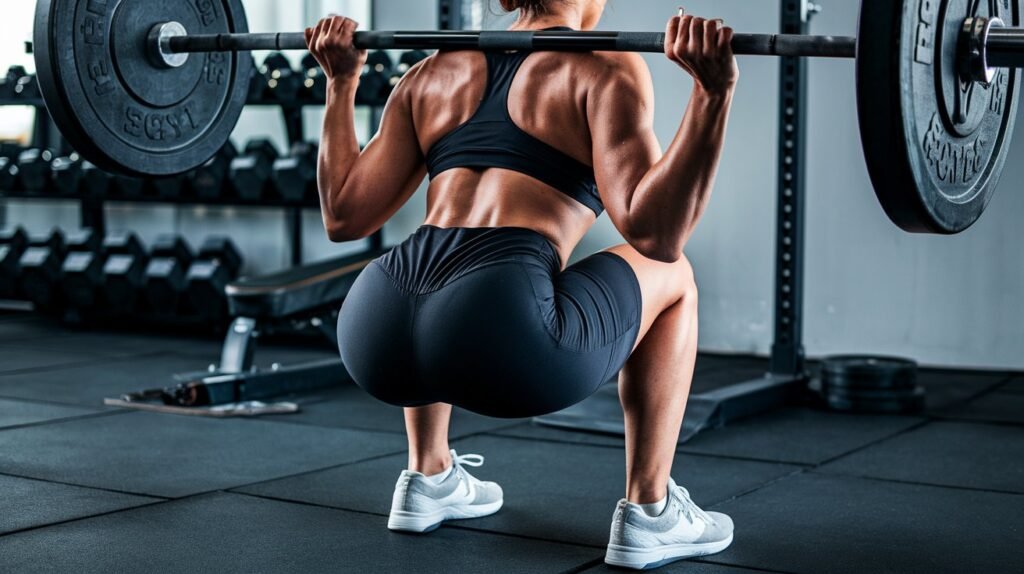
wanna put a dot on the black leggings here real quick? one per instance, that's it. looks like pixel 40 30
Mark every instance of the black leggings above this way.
pixel 484 319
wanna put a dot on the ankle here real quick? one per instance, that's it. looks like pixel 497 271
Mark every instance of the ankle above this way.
pixel 430 464
pixel 646 493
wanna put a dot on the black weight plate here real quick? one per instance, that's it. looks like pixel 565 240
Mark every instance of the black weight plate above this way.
pixel 114 106
pixel 859 394
pixel 935 147
pixel 908 404
pixel 868 372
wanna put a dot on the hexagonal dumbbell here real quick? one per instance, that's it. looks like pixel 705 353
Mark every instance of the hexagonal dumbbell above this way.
pixel 66 173
pixel 217 264
pixel 95 182
pixel 124 273
pixel 208 180
pixel 13 243
pixel 250 172
pixel 294 176
pixel 42 268
pixel 375 80
pixel 166 275
pixel 34 169
pixel 282 81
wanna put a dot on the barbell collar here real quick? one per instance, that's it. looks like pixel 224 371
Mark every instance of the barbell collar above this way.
pixel 651 42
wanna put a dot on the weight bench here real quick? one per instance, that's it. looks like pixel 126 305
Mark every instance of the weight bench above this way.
pixel 307 295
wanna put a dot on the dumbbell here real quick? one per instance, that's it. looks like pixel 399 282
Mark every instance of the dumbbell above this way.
pixel 10 149
pixel 375 80
pixel 207 181
pixel 13 243
pixel 170 187
pixel 41 245
pixel 42 266
pixel 251 171
pixel 124 273
pixel 83 277
pixel 66 174
pixel 10 81
pixel 314 84
pixel 8 173
pixel 282 81
pixel 95 182
pixel 257 85
pixel 170 260
pixel 127 187
pixel 294 176
pixel 27 88
pixel 34 168
pixel 217 264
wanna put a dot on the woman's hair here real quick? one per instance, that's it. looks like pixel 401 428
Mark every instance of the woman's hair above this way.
pixel 535 6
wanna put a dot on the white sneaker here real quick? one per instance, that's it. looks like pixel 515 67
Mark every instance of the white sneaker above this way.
pixel 683 530
pixel 419 505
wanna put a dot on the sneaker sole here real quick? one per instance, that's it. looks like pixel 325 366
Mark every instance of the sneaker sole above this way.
pixel 648 558
pixel 423 522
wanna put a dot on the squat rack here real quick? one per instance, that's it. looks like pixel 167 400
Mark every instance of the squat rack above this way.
pixel 787 375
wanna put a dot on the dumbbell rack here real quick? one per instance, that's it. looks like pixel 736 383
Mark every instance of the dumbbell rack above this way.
pixel 92 208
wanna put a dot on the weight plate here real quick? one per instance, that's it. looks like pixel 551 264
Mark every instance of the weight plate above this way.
pixel 114 106
pixel 912 403
pixel 935 146
pixel 860 394
pixel 868 372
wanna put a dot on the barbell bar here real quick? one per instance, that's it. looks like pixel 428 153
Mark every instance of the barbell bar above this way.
pixel 135 91
pixel 564 41
pixel 1001 47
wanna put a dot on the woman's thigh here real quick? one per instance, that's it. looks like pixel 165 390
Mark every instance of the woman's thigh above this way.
pixel 662 285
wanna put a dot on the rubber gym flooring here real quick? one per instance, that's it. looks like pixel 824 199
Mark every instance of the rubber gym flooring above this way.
pixel 86 488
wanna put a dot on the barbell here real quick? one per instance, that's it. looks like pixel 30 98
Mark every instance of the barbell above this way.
pixel 150 88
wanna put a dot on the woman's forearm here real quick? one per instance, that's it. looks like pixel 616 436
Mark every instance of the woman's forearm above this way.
pixel 339 145
pixel 671 198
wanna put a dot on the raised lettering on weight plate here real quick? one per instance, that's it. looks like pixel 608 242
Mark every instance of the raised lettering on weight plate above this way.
pixel 924 52
pixel 94 24
pixel 207 12
pixel 952 162
pixel 216 69
pixel 998 87
pixel 100 75
pixel 159 126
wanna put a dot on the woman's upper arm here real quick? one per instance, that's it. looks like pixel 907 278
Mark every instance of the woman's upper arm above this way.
pixel 620 111
pixel 391 166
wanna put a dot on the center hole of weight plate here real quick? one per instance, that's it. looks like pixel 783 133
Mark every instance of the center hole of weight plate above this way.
pixel 964 103
pixel 131 46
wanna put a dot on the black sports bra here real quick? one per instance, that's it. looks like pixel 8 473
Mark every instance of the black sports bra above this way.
pixel 491 139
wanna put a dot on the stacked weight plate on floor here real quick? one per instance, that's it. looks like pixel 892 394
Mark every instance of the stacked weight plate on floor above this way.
pixel 871 385
pixel 120 110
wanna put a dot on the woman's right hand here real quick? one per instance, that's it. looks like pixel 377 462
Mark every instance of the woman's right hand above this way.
pixel 331 42
pixel 704 49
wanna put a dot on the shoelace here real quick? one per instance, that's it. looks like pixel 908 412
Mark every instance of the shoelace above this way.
pixel 690 508
pixel 473 460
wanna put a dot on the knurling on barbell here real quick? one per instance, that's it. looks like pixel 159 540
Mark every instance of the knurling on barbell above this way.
pixel 155 88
